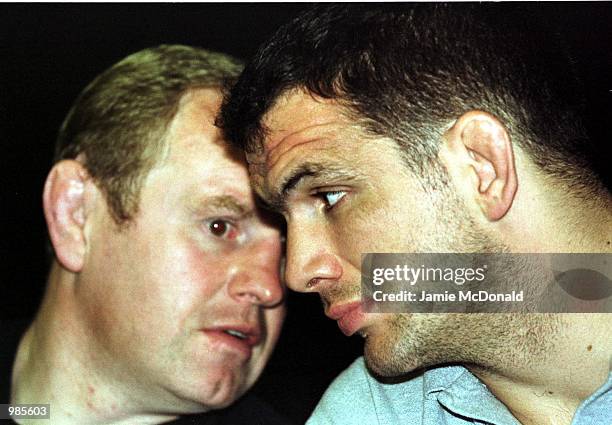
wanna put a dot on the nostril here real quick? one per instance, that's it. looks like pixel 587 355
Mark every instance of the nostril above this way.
pixel 313 282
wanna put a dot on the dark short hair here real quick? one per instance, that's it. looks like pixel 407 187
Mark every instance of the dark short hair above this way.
pixel 118 121
pixel 407 71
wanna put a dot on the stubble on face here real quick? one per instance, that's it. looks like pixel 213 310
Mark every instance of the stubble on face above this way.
pixel 488 341
pixel 403 212
pixel 491 341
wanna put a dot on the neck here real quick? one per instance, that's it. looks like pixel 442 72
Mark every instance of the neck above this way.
pixel 546 378
pixel 547 389
pixel 550 217
pixel 53 366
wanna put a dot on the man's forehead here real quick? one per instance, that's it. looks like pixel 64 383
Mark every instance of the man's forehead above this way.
pixel 295 111
pixel 306 135
pixel 198 163
pixel 297 116
pixel 202 100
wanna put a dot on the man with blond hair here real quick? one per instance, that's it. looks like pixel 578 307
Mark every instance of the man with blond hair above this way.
pixel 163 302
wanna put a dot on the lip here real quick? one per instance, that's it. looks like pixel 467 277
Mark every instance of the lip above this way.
pixel 350 316
pixel 218 335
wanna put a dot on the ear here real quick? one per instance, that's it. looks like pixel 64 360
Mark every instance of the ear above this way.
pixel 479 154
pixel 65 212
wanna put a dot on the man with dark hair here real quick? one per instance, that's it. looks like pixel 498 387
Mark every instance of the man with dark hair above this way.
pixel 164 296
pixel 431 128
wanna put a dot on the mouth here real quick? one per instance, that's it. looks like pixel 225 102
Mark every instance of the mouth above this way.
pixel 239 338
pixel 350 316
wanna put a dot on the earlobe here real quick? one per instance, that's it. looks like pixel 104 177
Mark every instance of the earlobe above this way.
pixel 65 212
pixel 480 144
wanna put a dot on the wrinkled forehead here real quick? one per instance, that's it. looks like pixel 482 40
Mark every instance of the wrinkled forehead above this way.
pixel 295 117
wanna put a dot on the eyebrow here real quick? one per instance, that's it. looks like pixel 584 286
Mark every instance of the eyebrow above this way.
pixel 228 203
pixel 315 170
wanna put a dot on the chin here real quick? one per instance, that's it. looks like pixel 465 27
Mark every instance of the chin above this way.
pixel 387 357
pixel 379 359
pixel 218 398
pixel 224 395
pixel 214 391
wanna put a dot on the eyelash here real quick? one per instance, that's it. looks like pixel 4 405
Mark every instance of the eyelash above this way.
pixel 323 196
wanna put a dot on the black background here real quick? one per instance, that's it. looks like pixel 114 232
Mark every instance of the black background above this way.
pixel 49 52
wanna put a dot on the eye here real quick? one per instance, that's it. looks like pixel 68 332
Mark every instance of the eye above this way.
pixel 223 229
pixel 331 198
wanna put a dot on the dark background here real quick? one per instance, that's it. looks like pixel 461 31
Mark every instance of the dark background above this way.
pixel 49 52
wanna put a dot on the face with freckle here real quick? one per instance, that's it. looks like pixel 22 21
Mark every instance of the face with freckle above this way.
pixel 196 260
pixel 343 193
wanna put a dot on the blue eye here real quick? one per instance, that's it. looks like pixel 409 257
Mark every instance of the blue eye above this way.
pixel 332 198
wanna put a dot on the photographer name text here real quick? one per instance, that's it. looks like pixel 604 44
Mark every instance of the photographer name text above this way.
pixel 470 296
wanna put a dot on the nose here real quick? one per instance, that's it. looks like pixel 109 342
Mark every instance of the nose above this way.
pixel 310 258
pixel 256 279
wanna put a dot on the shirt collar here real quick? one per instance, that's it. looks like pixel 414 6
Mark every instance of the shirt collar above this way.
pixel 596 408
pixel 462 393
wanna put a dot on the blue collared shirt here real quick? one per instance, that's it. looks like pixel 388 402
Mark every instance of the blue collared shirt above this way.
pixel 448 395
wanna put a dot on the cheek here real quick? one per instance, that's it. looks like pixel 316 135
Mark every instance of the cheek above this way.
pixel 365 228
pixel 379 224
pixel 274 322
pixel 206 272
